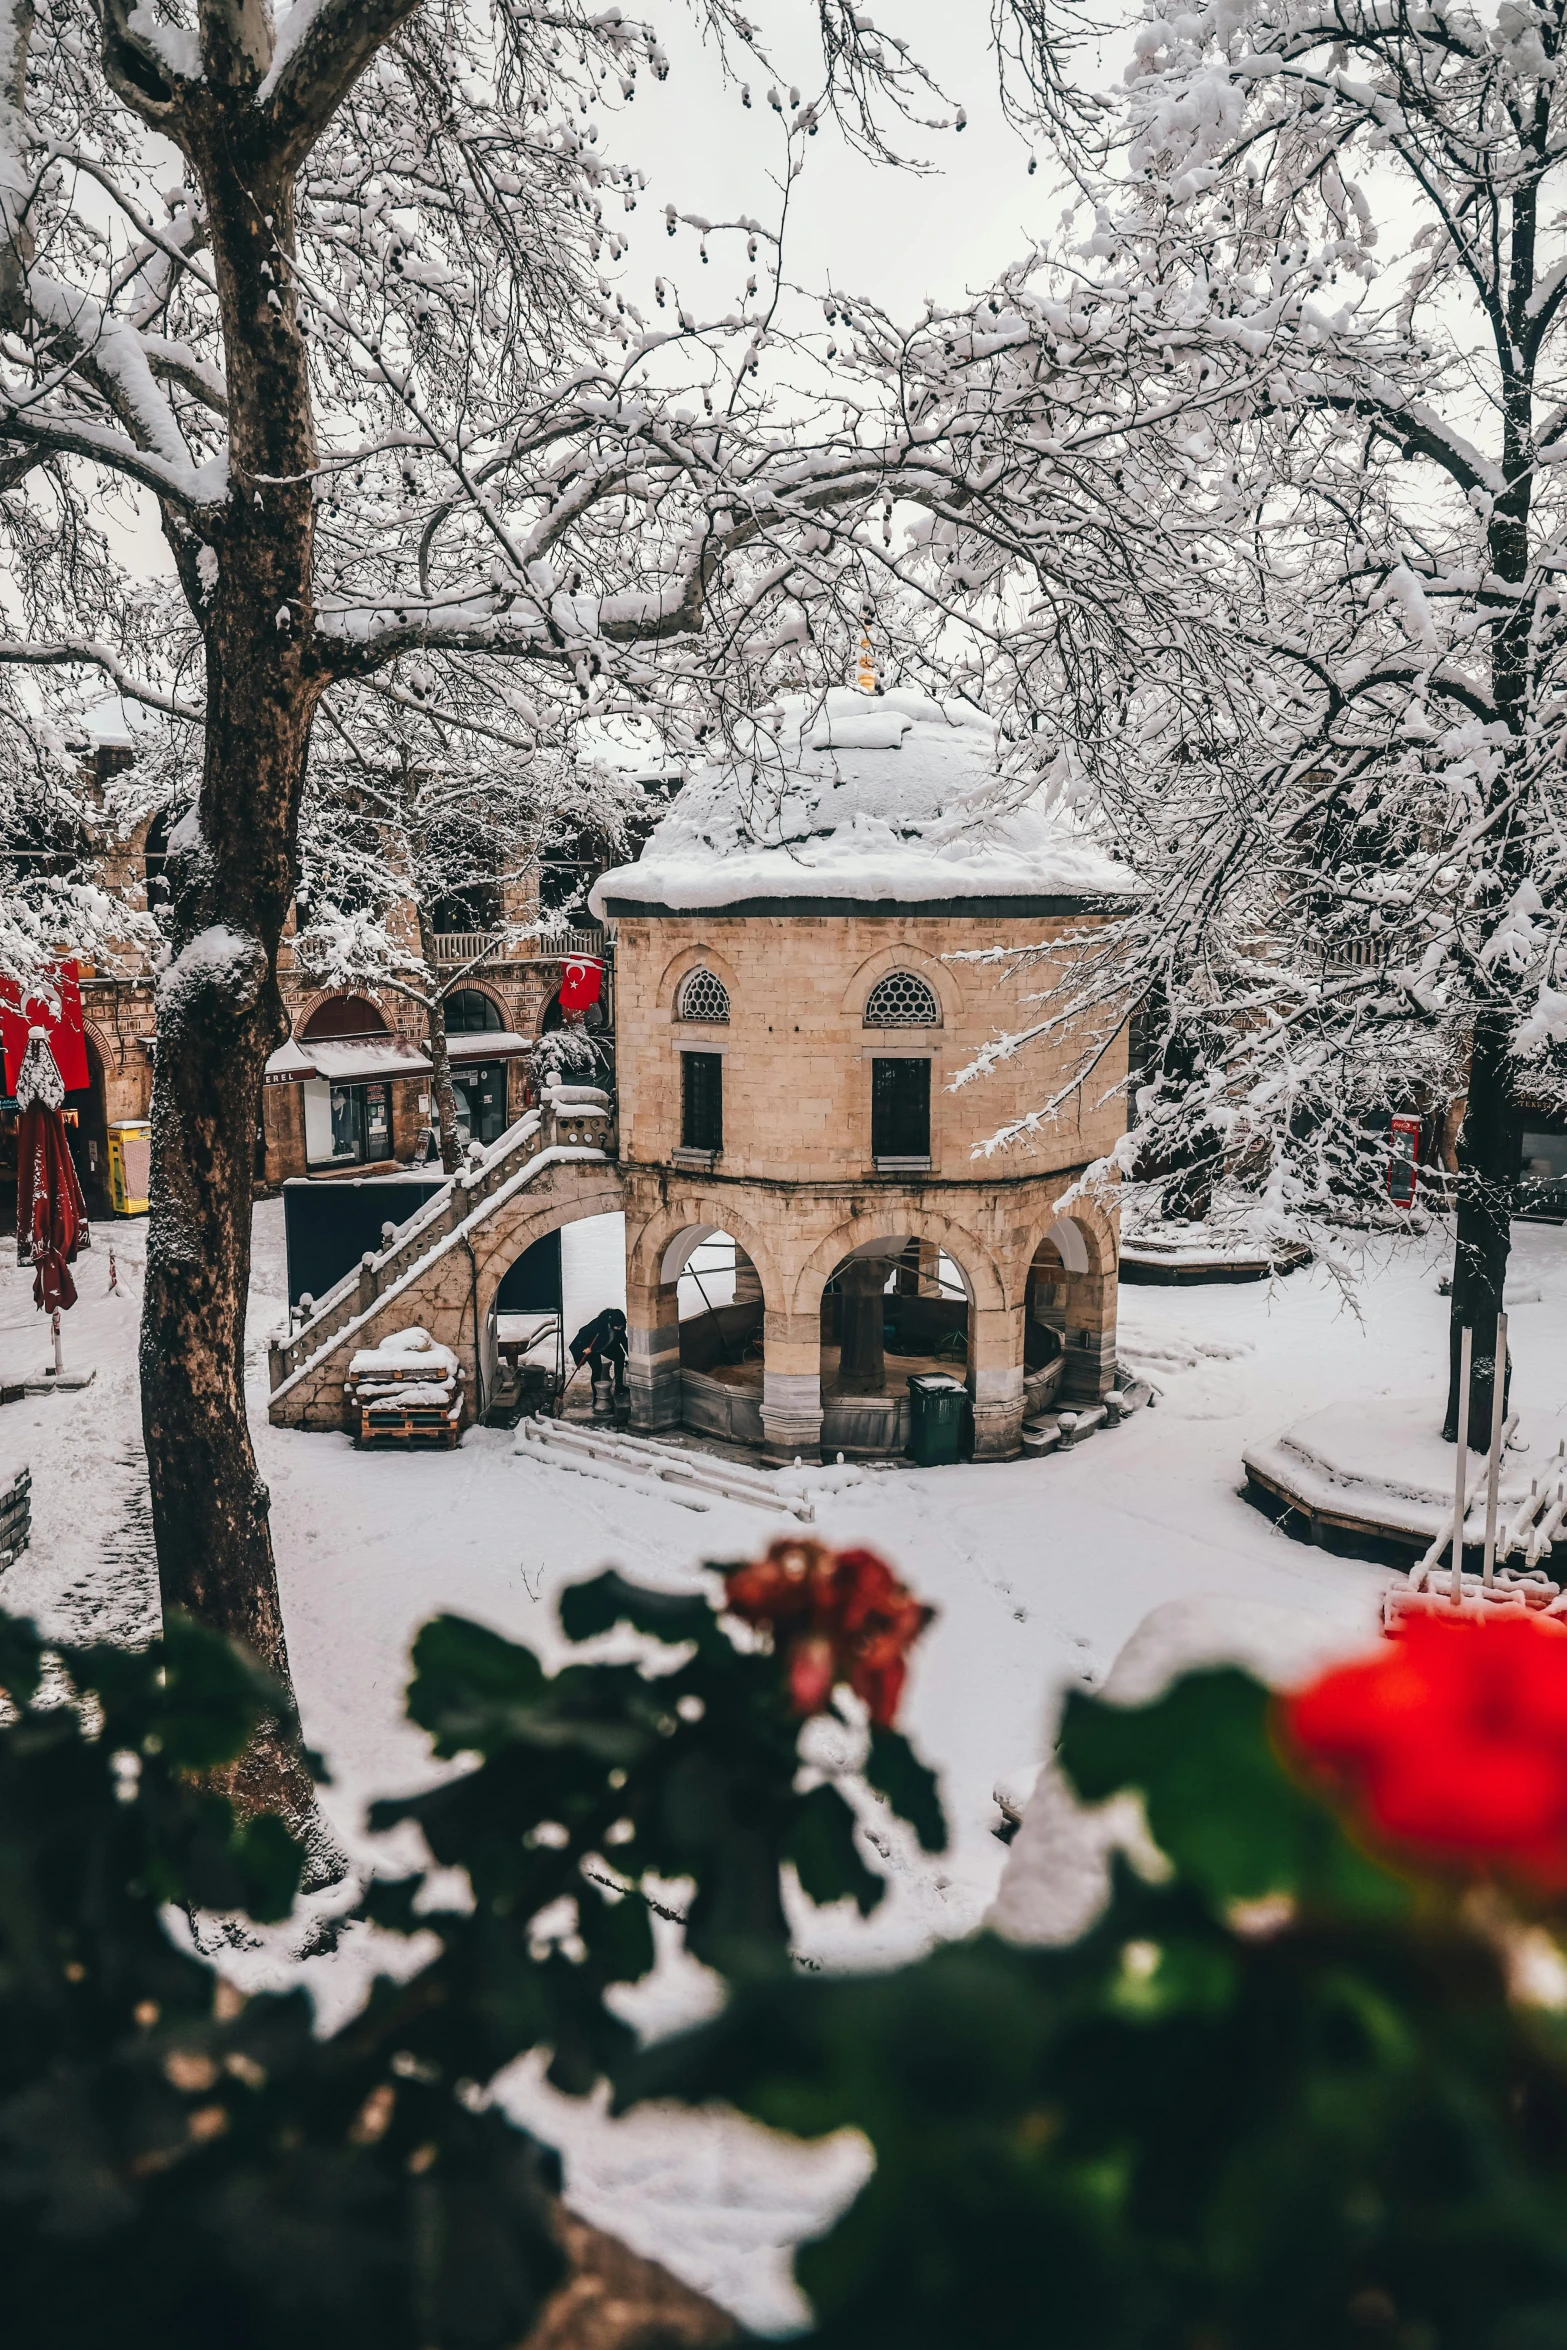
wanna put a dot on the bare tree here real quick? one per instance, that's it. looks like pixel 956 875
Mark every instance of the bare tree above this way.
pixel 411 827
pixel 329 292
pixel 1339 221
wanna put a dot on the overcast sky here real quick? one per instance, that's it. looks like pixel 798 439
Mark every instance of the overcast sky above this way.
pixel 866 228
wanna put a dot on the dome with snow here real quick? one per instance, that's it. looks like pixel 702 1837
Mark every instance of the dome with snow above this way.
pixel 856 798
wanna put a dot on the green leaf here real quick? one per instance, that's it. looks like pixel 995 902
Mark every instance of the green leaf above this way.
pixel 618 1932
pixel 213 1695
pixel 588 1610
pixel 271 1863
pixel 470 1685
pixel 895 1770
pixel 1220 1803
pixel 21 1659
pixel 821 1845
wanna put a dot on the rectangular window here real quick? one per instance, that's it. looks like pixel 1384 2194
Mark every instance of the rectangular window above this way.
pixel 481 1101
pixel 1542 1189
pixel 900 1108
pixel 702 1101
pixel 334 1124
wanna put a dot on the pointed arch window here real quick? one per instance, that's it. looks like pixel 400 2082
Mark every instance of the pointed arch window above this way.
pixel 902 999
pixel 703 996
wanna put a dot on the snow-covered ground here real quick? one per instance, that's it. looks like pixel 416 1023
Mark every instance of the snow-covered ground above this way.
pixel 1040 1570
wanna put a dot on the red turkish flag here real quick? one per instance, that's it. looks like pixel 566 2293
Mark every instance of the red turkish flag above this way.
pixel 582 976
pixel 64 1028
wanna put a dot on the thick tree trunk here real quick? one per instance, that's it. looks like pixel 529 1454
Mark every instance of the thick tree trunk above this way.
pixel 440 1059
pixel 1486 1167
pixel 232 871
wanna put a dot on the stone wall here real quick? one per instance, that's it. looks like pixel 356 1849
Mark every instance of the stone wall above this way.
pixel 796 1183
pixel 796 1236
pixel 797 1055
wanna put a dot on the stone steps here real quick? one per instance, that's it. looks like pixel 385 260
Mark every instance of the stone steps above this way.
pixel 1059 1431
pixel 563 1121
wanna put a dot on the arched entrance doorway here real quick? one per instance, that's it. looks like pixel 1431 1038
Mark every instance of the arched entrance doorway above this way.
pixel 894 1307
pixel 1069 1318
pixel 348 1118
pixel 697 1315
pixel 719 1294
pixel 547 1294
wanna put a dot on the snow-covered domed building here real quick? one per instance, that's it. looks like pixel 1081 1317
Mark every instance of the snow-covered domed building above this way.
pixel 789 1025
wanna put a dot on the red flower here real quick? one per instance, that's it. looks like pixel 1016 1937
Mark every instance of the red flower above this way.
pixel 1451 1744
pixel 838 1616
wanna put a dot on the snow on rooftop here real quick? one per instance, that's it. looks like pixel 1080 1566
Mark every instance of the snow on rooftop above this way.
pixel 894 796
pixel 108 725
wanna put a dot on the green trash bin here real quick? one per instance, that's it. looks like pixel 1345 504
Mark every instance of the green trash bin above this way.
pixel 938 1412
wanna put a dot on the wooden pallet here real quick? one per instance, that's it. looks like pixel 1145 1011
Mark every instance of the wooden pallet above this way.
pixel 408 1424
pixel 16 1516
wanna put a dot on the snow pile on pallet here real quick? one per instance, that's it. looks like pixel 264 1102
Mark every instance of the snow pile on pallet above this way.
pixel 402 1352
pixel 407 1388
pixel 694 1479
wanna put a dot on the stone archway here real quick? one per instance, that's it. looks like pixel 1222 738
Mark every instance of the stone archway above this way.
pixel 1071 1291
pixel 508 1234
pixel 994 1359
pixel 705 1375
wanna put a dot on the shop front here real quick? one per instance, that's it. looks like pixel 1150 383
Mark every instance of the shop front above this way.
pixel 480 1048
pixel 349 1095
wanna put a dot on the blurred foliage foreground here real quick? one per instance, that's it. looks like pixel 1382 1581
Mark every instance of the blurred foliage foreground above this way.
pixel 1304 2084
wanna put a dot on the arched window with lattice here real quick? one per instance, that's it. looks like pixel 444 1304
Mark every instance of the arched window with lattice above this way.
pixel 901 999
pixel 703 996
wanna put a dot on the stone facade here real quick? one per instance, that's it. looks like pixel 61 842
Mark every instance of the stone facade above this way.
pixel 120 1013
pixel 796 1184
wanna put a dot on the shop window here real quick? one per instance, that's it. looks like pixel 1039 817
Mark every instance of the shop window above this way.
pixel 1542 1189
pixel 469 1012
pixel 346 1125
pixel 900 1109
pixel 480 1090
pixel 901 999
pixel 702 1101
pixel 703 996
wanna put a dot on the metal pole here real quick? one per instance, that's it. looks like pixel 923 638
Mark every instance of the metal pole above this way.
pixel 1493 1467
pixel 1465 1352
pixel 59 1363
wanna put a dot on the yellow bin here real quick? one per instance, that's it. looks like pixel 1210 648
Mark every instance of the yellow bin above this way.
pixel 130 1165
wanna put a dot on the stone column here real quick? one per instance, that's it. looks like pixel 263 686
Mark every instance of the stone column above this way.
pixel 1088 1329
pixel 792 1387
pixel 862 1307
pixel 653 1354
pixel 995 1381
pixel 748 1282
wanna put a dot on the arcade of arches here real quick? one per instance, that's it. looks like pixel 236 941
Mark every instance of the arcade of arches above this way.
pixel 835 1306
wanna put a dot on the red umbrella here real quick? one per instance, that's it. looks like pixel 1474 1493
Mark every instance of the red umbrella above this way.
pixel 51 1215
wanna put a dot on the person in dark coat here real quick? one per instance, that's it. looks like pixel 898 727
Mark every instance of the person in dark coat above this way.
pixel 601 1344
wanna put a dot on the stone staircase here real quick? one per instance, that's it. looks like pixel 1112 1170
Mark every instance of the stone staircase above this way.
pixel 413 1280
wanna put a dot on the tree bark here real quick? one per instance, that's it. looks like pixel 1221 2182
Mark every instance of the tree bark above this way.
pixel 1487 1153
pixel 232 872
pixel 1486 1168
pixel 440 1057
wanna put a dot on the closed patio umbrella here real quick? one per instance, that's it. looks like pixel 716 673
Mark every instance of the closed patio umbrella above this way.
pixel 51 1215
